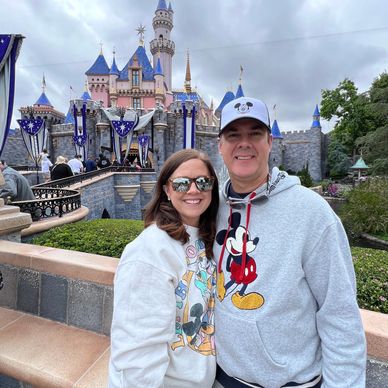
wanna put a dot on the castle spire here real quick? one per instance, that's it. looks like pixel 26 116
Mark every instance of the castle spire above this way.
pixel 188 75
pixel 43 84
pixel 140 31
pixel 316 118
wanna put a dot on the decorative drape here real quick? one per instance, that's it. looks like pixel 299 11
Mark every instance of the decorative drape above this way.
pixel 80 136
pixel 9 50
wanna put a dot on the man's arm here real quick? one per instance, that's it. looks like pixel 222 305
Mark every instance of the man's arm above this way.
pixel 330 274
pixel 9 189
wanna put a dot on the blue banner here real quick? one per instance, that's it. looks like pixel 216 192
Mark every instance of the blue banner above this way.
pixel 143 142
pixel 31 126
pixel 9 49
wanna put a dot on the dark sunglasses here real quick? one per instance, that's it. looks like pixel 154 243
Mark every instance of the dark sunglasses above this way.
pixel 183 184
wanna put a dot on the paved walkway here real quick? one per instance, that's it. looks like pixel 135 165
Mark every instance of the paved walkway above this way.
pixel 376 374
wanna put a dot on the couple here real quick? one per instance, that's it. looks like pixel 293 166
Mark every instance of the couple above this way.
pixel 268 286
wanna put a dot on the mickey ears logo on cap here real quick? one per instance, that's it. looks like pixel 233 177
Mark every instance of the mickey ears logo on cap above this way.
pixel 243 107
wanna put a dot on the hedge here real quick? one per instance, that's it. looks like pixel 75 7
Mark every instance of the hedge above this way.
pixel 106 237
pixel 109 237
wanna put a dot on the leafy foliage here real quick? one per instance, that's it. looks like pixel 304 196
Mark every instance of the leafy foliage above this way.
pixel 371 267
pixel 305 177
pixel 339 162
pixel 106 237
pixel 366 210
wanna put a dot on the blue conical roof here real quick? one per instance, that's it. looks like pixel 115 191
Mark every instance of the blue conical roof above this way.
pixel 229 96
pixel 169 6
pixel 240 92
pixel 158 69
pixel 148 72
pixel 316 124
pixel 69 117
pixel 86 96
pixel 276 134
pixel 99 67
pixel 114 70
pixel 162 5
pixel 316 112
pixel 43 100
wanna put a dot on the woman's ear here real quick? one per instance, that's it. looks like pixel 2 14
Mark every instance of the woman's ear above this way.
pixel 166 191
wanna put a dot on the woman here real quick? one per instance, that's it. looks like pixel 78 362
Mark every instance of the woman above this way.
pixel 61 169
pixel 162 327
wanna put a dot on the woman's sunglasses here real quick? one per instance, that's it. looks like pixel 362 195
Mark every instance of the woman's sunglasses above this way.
pixel 183 184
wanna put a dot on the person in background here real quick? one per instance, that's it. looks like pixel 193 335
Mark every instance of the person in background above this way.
pixel 162 329
pixel 45 167
pixel 286 312
pixel 90 164
pixel 61 169
pixel 76 164
pixel 15 187
pixel 103 161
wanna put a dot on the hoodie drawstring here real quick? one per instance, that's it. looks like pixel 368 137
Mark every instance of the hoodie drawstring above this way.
pixel 219 269
pixel 244 249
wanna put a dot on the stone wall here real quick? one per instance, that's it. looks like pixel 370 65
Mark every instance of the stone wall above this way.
pixel 75 302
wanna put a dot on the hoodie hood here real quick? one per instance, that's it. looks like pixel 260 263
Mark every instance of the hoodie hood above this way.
pixel 278 181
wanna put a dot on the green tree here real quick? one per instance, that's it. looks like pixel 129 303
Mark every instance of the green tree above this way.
pixel 338 161
pixel 354 118
pixel 305 177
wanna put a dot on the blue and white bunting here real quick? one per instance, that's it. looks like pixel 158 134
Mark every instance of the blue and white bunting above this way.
pixel 34 135
pixel 9 49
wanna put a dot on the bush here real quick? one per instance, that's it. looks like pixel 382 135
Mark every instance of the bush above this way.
pixel 305 177
pixel 371 267
pixel 106 237
pixel 366 209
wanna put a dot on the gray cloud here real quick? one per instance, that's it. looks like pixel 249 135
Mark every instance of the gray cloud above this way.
pixel 290 49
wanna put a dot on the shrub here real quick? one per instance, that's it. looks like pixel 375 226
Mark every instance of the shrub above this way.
pixel 371 267
pixel 106 237
pixel 305 177
pixel 366 209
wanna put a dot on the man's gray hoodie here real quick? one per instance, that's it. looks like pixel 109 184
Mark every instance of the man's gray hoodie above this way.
pixel 286 308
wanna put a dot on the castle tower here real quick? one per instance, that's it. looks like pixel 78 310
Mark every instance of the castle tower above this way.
pixel 159 84
pixel 316 164
pixel 98 79
pixel 188 75
pixel 113 75
pixel 161 44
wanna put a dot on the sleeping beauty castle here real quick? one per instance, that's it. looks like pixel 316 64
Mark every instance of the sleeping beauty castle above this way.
pixel 133 113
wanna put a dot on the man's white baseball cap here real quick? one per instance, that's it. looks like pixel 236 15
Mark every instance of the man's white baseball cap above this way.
pixel 244 107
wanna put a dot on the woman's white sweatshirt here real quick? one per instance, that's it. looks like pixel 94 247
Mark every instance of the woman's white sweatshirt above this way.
pixel 163 319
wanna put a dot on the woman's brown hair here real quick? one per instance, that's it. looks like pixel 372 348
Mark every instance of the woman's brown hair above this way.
pixel 161 211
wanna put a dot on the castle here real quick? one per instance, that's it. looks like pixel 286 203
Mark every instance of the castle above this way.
pixel 144 88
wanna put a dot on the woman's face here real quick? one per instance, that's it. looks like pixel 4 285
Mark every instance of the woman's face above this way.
pixel 191 204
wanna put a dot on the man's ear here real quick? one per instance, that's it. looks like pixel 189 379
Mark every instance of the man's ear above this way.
pixel 219 145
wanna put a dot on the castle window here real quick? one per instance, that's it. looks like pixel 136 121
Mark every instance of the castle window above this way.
pixel 135 78
pixel 136 103
pixel 160 36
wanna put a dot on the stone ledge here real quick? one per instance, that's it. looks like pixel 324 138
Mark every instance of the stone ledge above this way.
pixel 62 262
pixel 45 353
pixel 51 222
pixel 376 332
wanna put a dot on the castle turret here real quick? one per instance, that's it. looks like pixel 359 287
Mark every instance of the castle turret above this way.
pixel 98 79
pixel 229 96
pixel 113 75
pixel 188 75
pixel 162 44
pixel 240 92
pixel 316 118
pixel 159 84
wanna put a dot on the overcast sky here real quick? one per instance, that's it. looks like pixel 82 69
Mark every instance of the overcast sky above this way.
pixel 289 49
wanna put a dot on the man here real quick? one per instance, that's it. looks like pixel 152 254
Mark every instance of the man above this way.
pixel 103 161
pixel 286 314
pixel 76 165
pixel 90 164
pixel 16 186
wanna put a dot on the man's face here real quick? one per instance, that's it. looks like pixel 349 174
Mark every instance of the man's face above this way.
pixel 245 146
